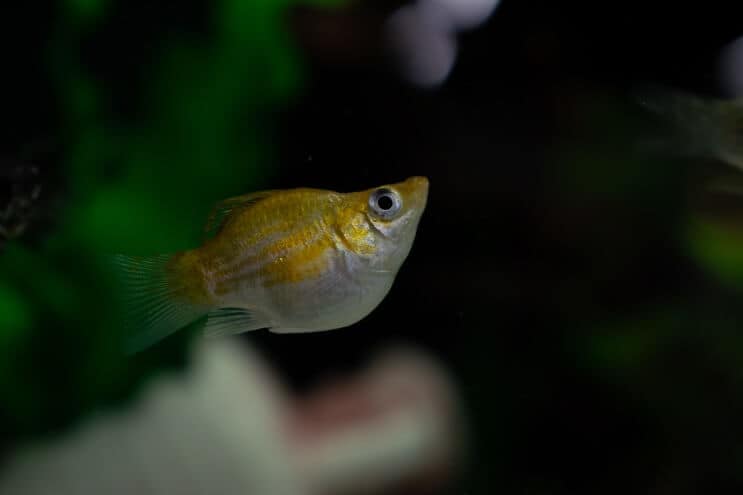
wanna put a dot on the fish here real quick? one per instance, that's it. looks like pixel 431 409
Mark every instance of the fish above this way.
pixel 708 127
pixel 293 260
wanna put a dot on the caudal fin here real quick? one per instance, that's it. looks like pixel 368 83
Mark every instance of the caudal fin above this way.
pixel 154 306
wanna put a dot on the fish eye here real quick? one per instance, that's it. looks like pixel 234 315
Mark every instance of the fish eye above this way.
pixel 385 203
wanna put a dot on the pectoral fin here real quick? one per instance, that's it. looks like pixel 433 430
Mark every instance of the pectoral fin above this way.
pixel 732 185
pixel 709 127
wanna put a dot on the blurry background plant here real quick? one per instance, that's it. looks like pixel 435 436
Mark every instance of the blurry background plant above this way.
pixel 156 111
pixel 579 280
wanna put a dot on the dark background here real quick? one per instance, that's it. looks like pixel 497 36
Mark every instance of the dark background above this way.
pixel 551 273
pixel 524 258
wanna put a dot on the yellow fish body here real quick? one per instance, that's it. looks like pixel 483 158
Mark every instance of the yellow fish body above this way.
pixel 297 260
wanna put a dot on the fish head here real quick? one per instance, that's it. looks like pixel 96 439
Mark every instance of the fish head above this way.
pixel 386 220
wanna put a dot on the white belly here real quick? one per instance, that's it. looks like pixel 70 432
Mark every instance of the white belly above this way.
pixel 341 296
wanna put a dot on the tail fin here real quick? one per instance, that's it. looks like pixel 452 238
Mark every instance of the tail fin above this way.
pixel 709 126
pixel 153 300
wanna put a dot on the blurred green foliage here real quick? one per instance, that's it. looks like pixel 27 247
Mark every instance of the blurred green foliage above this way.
pixel 139 186
pixel 617 347
pixel 719 249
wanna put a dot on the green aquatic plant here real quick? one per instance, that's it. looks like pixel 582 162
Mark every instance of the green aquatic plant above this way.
pixel 717 248
pixel 200 129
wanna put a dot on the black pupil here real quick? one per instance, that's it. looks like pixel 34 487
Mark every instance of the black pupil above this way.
pixel 385 202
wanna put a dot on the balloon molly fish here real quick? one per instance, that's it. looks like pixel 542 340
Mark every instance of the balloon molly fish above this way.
pixel 296 260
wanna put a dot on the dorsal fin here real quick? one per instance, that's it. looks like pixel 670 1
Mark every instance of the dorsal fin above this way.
pixel 223 210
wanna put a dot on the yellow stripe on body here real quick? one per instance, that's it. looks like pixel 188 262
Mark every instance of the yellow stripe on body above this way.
pixel 304 262
pixel 289 258
pixel 285 239
pixel 244 241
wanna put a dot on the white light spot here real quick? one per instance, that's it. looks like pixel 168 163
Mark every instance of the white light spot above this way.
pixel 422 44
pixel 466 14
pixel 423 36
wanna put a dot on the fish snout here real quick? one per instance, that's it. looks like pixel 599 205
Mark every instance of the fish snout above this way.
pixel 419 182
pixel 417 187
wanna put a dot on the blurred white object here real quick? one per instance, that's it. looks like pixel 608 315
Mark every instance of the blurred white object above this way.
pixel 227 428
pixel 465 14
pixel 423 40
pixel 423 45
pixel 393 423
pixel 731 67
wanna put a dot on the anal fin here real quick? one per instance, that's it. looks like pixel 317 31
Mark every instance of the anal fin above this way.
pixel 230 321
pixel 289 330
